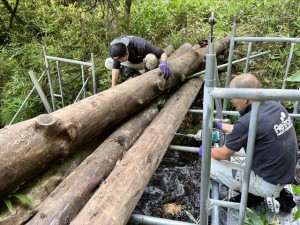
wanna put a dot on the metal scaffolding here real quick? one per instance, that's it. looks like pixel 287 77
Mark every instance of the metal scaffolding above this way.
pixel 60 95
pixel 35 81
pixel 212 93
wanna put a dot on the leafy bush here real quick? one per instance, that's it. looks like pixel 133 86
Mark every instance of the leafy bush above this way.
pixel 75 29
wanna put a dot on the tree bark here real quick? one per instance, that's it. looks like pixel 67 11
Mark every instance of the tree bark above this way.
pixel 29 147
pixel 114 201
pixel 40 187
pixel 71 195
pixel 127 8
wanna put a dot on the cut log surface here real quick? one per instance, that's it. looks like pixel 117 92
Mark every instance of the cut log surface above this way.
pixel 114 201
pixel 71 195
pixel 29 147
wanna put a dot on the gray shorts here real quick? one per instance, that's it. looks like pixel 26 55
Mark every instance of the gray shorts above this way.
pixel 231 175
pixel 150 62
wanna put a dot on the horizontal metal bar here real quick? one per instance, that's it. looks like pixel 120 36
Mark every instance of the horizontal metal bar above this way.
pixel 234 62
pixel 266 39
pixel 227 204
pixel 68 60
pixel 184 148
pixel 200 111
pixel 233 113
pixel 141 219
pixel 257 94
pixel 196 150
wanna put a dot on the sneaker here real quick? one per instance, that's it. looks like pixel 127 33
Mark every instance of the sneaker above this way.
pixel 286 201
pixel 253 200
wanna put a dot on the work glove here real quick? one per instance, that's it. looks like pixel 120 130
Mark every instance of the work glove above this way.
pixel 200 151
pixel 217 125
pixel 165 70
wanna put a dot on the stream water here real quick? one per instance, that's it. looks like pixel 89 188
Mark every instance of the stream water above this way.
pixel 173 189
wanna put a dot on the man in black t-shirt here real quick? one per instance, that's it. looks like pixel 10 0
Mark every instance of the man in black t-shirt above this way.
pixel 130 54
pixel 275 148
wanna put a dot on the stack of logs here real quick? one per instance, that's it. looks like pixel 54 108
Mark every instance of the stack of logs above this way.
pixel 89 176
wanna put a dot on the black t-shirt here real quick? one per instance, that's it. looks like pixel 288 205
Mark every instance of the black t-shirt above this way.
pixel 138 49
pixel 275 149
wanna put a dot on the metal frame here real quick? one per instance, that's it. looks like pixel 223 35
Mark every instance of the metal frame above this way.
pixel 256 95
pixel 212 92
pixel 84 81
pixel 50 82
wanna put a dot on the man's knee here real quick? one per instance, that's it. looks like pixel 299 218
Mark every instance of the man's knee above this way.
pixel 109 63
pixel 151 62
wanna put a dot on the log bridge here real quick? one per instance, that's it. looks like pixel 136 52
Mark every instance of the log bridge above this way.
pixel 90 161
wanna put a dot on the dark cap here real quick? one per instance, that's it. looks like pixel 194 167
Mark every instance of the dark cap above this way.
pixel 118 47
pixel 117 50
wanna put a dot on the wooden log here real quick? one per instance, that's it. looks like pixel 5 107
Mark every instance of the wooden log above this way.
pixel 71 195
pixel 41 187
pixel 114 201
pixel 29 147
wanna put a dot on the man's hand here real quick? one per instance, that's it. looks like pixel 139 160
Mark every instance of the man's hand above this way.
pixel 165 70
pixel 217 125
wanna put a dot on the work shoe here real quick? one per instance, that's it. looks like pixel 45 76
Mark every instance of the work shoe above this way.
pixel 286 201
pixel 129 72
pixel 253 200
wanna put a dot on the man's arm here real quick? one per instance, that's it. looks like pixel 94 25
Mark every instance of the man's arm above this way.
pixel 163 57
pixel 227 128
pixel 221 153
pixel 114 77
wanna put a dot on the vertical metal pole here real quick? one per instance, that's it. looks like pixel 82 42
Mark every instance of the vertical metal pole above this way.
pixel 60 85
pixel 208 109
pixel 296 108
pixel 83 81
pixel 249 158
pixel 248 57
pixel 49 78
pixel 288 66
pixel 218 104
pixel 230 58
pixel 218 101
pixel 215 217
pixel 93 74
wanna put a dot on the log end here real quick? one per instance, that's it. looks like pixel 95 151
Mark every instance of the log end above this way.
pixel 169 50
pixel 46 122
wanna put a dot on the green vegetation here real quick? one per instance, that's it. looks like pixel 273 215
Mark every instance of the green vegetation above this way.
pixel 296 191
pixel 75 29
pixel 23 198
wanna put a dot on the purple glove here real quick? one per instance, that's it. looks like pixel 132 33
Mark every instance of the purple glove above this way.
pixel 217 125
pixel 165 70
pixel 200 150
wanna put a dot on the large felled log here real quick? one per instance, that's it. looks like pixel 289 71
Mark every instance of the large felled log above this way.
pixel 71 195
pixel 40 187
pixel 29 147
pixel 114 201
